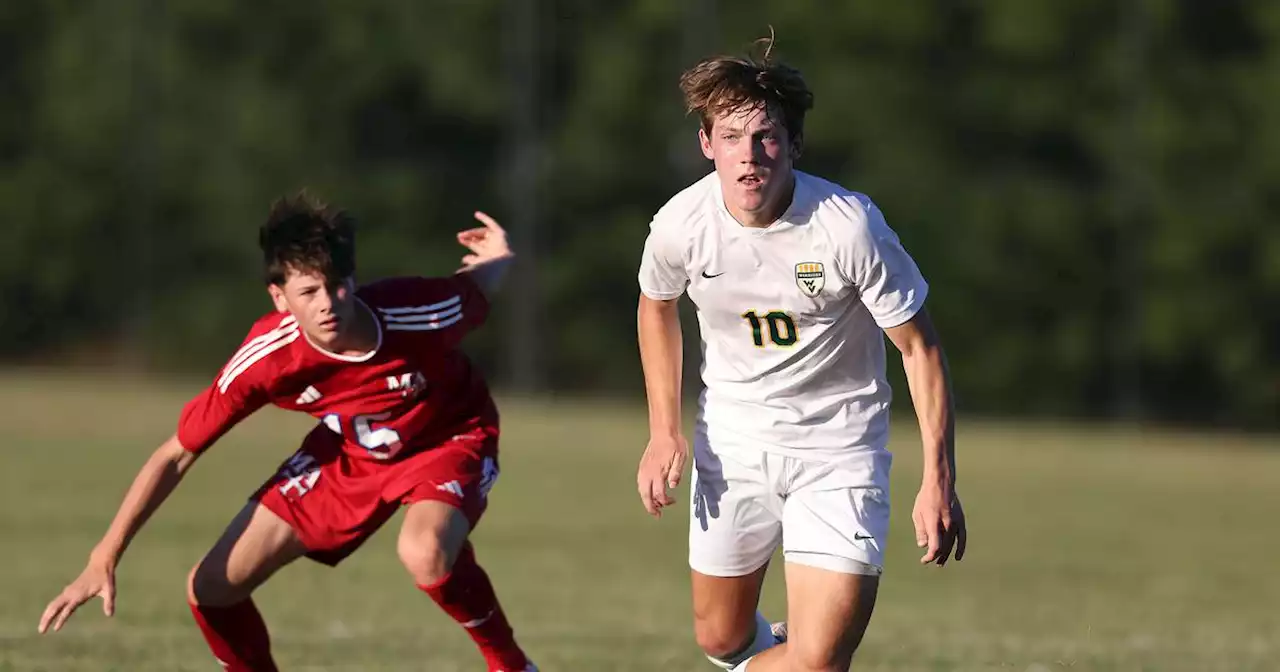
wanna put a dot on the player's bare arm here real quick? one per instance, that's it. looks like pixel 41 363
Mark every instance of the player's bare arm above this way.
pixel 157 478
pixel 662 356
pixel 938 516
pixel 488 254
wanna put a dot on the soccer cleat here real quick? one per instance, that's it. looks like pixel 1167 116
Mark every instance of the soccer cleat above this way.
pixel 528 668
pixel 779 631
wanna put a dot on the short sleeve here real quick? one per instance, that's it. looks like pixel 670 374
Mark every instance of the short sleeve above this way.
pixel 887 279
pixel 445 309
pixel 662 269
pixel 239 390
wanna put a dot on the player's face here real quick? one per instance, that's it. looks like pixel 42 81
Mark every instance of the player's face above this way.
pixel 753 153
pixel 324 308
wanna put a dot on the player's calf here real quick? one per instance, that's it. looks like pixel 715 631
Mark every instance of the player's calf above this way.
pixel 433 547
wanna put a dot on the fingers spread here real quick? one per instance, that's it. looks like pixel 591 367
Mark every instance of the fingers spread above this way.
pixel 67 609
pixel 50 612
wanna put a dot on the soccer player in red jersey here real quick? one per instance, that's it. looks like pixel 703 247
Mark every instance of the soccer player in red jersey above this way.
pixel 405 420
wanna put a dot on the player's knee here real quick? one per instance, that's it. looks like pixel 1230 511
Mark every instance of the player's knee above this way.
pixel 425 558
pixel 720 638
pixel 209 587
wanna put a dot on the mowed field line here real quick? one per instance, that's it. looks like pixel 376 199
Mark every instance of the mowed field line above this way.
pixel 1092 548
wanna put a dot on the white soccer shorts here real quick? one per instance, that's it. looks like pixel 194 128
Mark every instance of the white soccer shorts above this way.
pixel 831 515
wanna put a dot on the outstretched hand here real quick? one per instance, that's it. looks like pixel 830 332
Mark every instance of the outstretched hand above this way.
pixel 97 579
pixel 484 243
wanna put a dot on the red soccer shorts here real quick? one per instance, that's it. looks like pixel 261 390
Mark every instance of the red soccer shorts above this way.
pixel 334 502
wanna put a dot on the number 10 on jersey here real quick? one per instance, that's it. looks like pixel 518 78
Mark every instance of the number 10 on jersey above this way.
pixel 782 329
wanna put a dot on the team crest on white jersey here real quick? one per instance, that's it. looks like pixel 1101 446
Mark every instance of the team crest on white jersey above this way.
pixel 810 278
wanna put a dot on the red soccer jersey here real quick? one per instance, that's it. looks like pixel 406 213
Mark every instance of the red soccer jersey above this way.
pixel 413 391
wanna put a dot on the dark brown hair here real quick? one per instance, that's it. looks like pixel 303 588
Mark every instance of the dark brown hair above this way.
pixel 306 235
pixel 723 84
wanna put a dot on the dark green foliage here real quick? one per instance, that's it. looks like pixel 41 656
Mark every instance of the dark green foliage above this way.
pixel 1089 186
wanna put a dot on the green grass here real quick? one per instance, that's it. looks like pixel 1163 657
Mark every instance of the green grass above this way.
pixel 1090 549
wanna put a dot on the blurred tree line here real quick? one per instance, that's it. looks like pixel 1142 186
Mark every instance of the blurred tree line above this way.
pixel 1088 185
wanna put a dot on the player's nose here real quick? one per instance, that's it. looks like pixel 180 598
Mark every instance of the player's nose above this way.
pixel 324 301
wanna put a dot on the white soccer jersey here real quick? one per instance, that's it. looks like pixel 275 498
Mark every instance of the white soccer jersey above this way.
pixel 790 315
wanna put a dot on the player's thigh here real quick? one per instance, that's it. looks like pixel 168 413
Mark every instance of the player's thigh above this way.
pixel 835 526
pixel 250 550
pixel 836 518
pixel 735 526
pixel 724 609
pixel 446 492
pixel 736 518
pixel 827 615
pixel 459 473
pixel 431 537
pixel 331 500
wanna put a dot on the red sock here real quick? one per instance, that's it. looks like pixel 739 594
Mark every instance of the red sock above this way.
pixel 237 636
pixel 467 595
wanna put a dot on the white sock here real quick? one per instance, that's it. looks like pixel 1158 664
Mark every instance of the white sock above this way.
pixel 763 640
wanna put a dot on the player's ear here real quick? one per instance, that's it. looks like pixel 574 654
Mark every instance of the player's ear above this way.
pixel 704 141
pixel 277 297
pixel 797 147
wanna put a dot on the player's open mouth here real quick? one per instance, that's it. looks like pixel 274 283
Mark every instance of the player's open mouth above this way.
pixel 750 181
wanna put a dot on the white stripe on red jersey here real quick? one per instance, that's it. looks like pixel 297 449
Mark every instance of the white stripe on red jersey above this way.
pixel 451 301
pixel 248 349
pixel 281 338
pixel 424 326
pixel 423 317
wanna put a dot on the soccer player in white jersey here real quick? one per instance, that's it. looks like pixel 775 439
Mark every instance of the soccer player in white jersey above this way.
pixel 796 281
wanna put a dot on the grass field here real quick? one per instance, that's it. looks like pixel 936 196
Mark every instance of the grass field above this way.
pixel 1089 549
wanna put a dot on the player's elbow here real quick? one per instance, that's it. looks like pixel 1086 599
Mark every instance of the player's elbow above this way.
pixel 915 337
pixel 173 454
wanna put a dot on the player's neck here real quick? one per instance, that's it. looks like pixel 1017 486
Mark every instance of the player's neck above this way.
pixel 765 217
